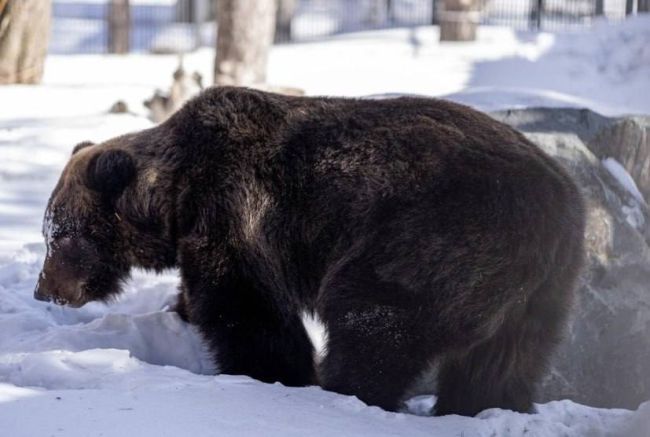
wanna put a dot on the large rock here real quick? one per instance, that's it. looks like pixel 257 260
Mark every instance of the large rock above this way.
pixel 605 360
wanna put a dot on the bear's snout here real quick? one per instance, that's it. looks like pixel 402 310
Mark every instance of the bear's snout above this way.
pixel 40 294
pixel 67 293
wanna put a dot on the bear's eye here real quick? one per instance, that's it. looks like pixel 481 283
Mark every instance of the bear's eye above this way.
pixel 74 251
pixel 67 248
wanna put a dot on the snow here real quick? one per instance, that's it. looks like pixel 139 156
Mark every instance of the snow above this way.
pixel 133 367
pixel 623 177
pixel 633 214
pixel 605 69
pixel 142 400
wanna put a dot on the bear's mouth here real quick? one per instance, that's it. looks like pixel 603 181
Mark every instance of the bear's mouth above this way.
pixel 61 301
pixel 74 299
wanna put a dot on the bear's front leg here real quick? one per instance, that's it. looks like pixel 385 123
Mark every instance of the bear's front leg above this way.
pixel 247 332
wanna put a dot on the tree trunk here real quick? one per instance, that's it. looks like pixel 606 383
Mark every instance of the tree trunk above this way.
pixel 535 15
pixel 643 6
pixel 375 8
pixel 459 20
pixel 244 35
pixel 434 12
pixel 119 26
pixel 283 19
pixel 24 35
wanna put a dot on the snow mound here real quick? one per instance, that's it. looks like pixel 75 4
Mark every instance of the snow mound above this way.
pixel 605 68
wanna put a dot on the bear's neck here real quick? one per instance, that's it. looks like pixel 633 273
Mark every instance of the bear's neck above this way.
pixel 149 206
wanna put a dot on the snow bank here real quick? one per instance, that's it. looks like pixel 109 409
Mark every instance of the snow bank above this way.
pixel 605 69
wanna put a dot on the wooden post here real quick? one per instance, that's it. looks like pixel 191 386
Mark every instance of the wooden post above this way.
pixel 459 20
pixel 119 26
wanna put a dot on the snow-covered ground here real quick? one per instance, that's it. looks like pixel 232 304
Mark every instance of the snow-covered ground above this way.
pixel 133 368
pixel 605 68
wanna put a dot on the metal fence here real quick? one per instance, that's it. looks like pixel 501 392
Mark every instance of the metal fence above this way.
pixel 164 26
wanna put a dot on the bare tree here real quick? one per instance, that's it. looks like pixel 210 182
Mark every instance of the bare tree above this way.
pixel 244 35
pixel 24 35
pixel 458 20
pixel 535 15
pixel 375 9
pixel 434 11
pixel 119 26
pixel 599 7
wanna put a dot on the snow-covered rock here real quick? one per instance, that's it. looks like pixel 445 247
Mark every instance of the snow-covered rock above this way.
pixel 628 141
pixel 605 359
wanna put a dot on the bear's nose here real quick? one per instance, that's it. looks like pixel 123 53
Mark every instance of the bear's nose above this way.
pixel 42 295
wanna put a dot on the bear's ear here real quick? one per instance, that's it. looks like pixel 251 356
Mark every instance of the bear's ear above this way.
pixel 110 172
pixel 82 145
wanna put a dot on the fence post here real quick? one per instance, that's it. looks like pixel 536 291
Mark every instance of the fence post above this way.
pixel 196 20
pixel 283 20
pixel 390 15
pixel 536 11
pixel 434 12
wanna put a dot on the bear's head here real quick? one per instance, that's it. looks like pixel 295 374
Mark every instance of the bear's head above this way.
pixel 107 214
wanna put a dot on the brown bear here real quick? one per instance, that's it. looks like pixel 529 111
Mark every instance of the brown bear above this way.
pixel 420 231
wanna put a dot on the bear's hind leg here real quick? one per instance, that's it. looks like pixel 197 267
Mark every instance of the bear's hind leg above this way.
pixel 503 370
pixel 375 350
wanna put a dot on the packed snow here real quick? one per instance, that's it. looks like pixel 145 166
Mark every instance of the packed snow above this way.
pixel 133 367
pixel 633 214
pixel 617 170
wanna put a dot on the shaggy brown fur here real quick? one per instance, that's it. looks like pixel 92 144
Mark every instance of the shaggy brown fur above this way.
pixel 419 230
